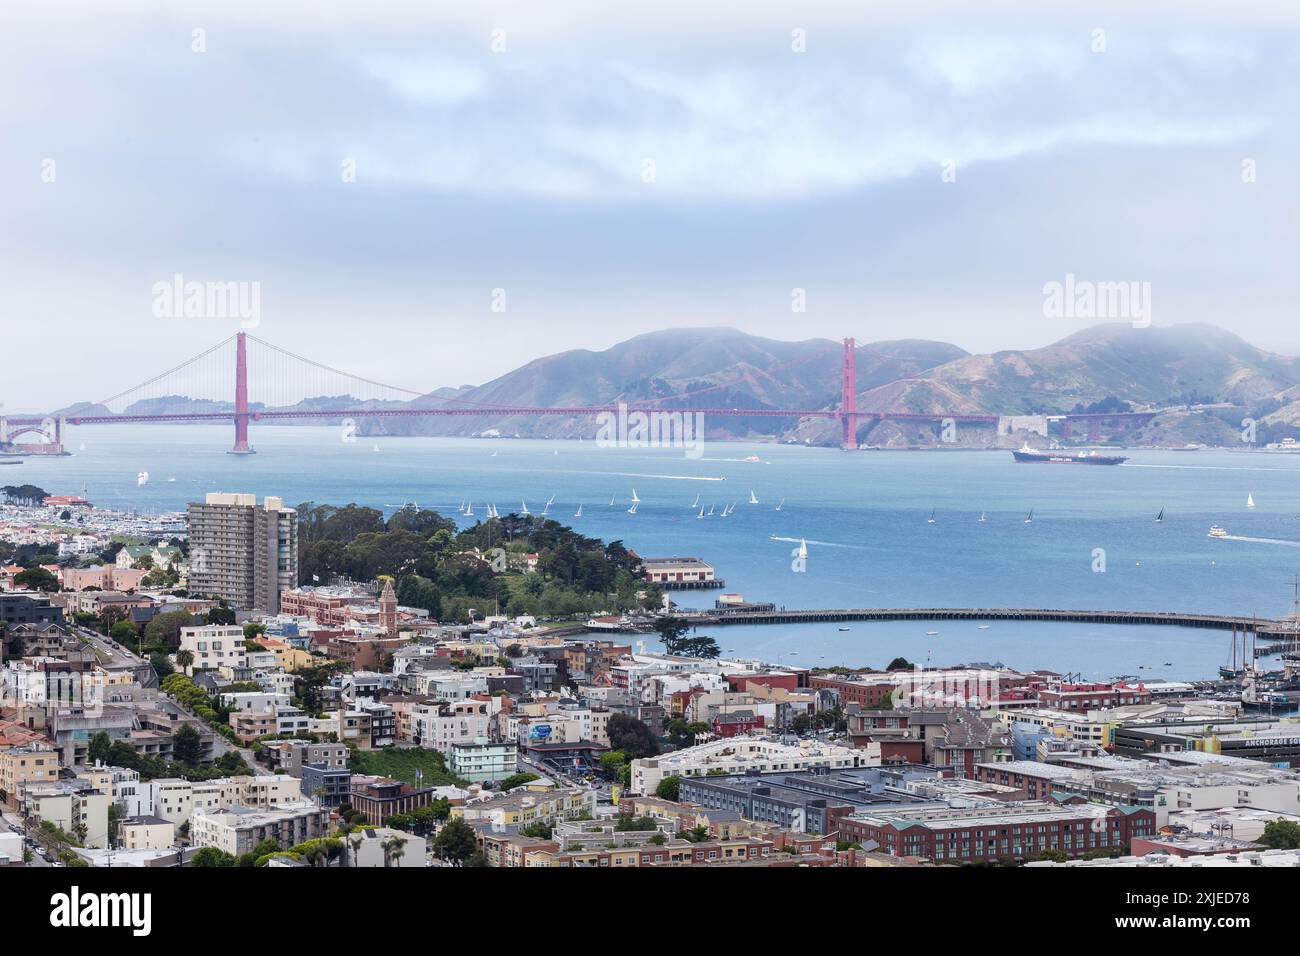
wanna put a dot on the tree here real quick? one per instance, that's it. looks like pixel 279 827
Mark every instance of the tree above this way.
pixel 518 780
pixel 1281 835
pixel 671 630
pixel 702 647
pixel 221 615
pixel 187 745
pixel 165 629
pixel 476 859
pixel 899 664
pixel 161 665
pixel 36 578
pixel 123 632
pixel 100 748
pixel 185 659
pixel 394 849
pixel 669 788
pixel 631 736
pixel 801 723
pixel 25 494
pixel 210 856
pixel 456 841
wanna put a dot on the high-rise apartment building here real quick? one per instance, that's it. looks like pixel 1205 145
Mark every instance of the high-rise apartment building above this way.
pixel 243 552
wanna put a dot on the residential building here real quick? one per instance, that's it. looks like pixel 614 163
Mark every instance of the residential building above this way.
pixel 146 833
pixel 237 829
pixel 742 754
pixel 242 552
pixel 483 761
pixel 214 646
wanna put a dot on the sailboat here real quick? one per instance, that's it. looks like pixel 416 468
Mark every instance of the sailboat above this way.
pixel 780 506
pixel 983 518
pixel 469 510
pixel 632 510
pixel 1029 518
pixel 523 507
pixel 1250 501
pixel 752 499
pixel 635 499
pixel 611 501
pixel 578 513
pixel 696 503
pixel 1161 515
pixel 701 514
pixel 711 507
pixel 803 548
pixel 931 518
pixel 547 507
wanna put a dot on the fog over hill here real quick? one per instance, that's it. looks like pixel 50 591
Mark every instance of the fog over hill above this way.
pixel 1112 366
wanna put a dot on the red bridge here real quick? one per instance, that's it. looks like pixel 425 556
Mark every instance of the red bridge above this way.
pixel 285 380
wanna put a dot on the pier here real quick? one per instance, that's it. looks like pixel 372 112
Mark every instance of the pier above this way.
pixel 1279 629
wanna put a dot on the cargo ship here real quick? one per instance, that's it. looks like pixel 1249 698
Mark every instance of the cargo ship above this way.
pixel 1027 454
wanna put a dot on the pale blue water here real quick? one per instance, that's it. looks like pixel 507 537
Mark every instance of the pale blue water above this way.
pixel 863 515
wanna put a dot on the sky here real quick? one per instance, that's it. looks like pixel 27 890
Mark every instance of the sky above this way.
pixel 432 194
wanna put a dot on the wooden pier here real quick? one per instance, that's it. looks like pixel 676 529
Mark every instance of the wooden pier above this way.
pixel 1261 627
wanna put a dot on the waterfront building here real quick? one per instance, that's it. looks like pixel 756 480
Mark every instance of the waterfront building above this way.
pixel 680 573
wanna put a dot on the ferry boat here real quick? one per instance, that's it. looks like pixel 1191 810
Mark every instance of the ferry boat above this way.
pixel 1031 455
pixel 1217 532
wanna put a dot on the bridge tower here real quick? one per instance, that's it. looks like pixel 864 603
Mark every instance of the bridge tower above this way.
pixel 241 397
pixel 849 397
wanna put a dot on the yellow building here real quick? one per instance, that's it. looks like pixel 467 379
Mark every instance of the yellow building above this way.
pixel 19 766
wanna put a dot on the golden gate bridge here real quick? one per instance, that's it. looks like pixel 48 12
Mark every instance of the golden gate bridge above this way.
pixel 267 383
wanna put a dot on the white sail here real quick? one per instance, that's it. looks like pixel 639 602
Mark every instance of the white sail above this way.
pixel 803 548
pixel 523 505
pixel 752 499
pixel 701 514
pixel 1250 501
pixel 632 510
pixel 696 503
pixel 578 513
pixel 635 499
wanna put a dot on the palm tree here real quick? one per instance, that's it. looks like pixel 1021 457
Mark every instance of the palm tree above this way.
pixel 394 849
pixel 185 660
pixel 356 849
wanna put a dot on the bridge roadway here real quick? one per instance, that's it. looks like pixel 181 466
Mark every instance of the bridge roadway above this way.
pixel 1264 627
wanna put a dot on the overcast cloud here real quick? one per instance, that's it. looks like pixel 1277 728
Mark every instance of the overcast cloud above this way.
pixel 525 170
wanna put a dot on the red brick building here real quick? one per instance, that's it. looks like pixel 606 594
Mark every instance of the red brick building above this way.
pixel 1016 831
pixel 865 695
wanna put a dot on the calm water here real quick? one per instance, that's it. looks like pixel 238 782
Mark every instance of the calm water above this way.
pixel 862 514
